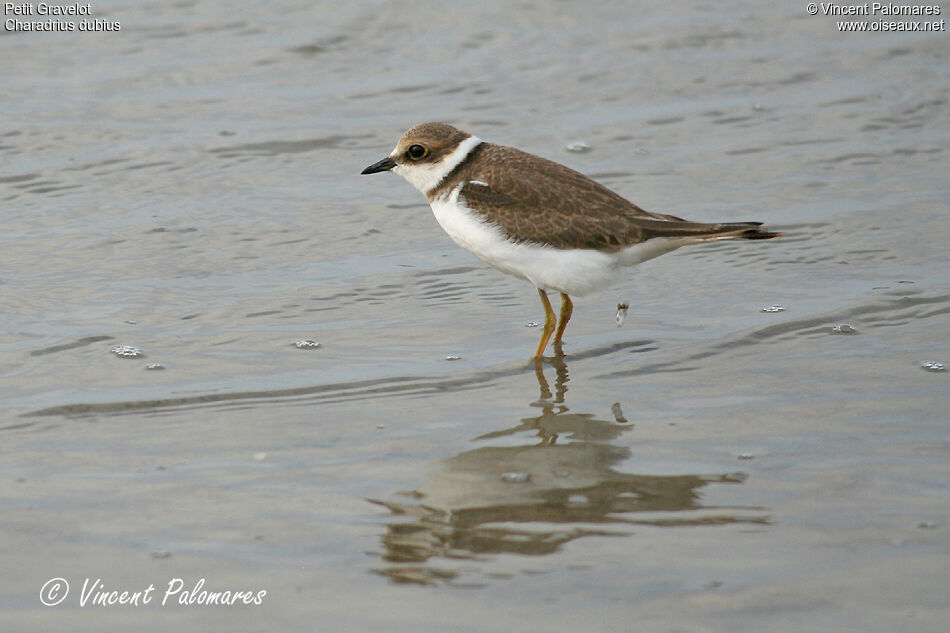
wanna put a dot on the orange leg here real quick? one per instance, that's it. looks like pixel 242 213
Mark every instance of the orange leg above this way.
pixel 550 320
pixel 567 308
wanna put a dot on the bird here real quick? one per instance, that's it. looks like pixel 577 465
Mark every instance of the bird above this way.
pixel 540 220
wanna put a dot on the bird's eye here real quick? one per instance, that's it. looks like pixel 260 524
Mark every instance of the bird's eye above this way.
pixel 415 152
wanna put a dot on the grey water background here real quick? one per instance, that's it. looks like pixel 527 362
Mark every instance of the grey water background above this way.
pixel 189 186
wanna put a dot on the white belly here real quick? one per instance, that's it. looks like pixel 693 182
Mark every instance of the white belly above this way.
pixel 575 272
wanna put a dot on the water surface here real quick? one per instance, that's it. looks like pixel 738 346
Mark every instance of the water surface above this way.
pixel 190 186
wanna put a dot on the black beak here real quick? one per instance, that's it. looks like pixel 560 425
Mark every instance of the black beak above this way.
pixel 384 165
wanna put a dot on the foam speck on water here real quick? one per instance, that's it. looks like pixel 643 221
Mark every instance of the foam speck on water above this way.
pixel 127 351
pixel 578 147
pixel 621 313
pixel 515 477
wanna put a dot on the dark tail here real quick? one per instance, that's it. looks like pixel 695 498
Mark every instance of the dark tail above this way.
pixel 704 231
pixel 752 231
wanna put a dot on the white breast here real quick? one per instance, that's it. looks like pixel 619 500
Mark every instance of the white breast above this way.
pixel 573 271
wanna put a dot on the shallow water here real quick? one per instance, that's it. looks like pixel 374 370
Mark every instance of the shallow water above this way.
pixel 190 186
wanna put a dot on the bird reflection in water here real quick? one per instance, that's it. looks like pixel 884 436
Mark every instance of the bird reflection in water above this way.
pixel 533 498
